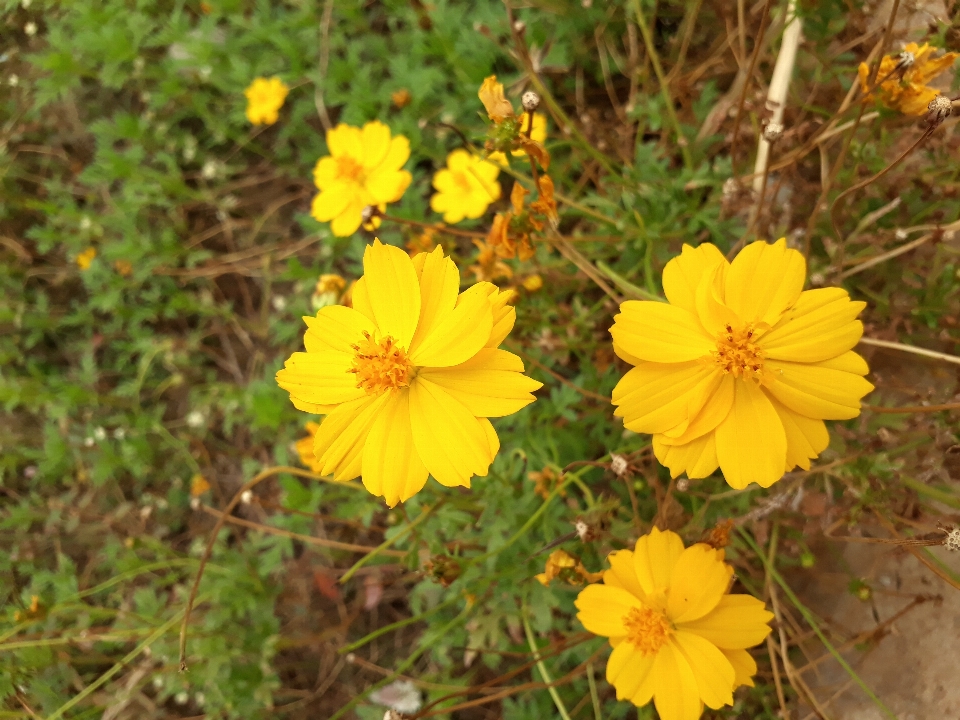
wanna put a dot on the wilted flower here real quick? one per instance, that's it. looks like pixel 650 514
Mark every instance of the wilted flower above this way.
pixel 494 101
pixel 538 134
pixel 465 188
pixel 265 97
pixel 567 568
pixel 328 291
pixel 489 266
pixel 903 78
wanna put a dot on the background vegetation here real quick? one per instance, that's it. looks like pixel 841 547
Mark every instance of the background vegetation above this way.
pixel 123 130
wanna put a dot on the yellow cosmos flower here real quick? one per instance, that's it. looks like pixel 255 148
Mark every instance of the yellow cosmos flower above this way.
pixel 904 77
pixel 539 134
pixel 678 638
pixel 264 99
pixel 304 448
pixel 85 259
pixel 740 368
pixel 408 376
pixel 465 188
pixel 364 168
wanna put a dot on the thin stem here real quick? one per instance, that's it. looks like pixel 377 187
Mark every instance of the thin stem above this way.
pixel 424 514
pixel 746 84
pixel 594 696
pixel 664 84
pixel 435 227
pixel 531 641
pixel 911 349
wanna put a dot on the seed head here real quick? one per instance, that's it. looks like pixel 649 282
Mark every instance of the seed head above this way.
pixel 683 485
pixel 905 59
pixel 939 109
pixel 619 464
pixel 530 101
pixel 773 132
pixel 952 542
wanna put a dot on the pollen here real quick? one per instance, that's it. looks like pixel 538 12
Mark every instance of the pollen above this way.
pixel 738 354
pixel 349 169
pixel 648 630
pixel 381 365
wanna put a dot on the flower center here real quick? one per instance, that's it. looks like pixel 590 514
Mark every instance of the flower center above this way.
pixel 381 366
pixel 738 354
pixel 462 181
pixel 349 169
pixel 648 630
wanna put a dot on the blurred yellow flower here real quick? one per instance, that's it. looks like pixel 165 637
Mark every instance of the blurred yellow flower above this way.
pixel 198 485
pixel 408 376
pixel 903 77
pixel 678 638
pixel 489 266
pixel 538 134
pixel 565 566
pixel 494 101
pixel 85 259
pixel 739 368
pixel 364 168
pixel 328 291
pixel 532 283
pixel 265 97
pixel 465 188
pixel 304 448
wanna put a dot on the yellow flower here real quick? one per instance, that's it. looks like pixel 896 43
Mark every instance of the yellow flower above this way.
pixel 489 266
pixel 408 377
pixel 364 168
pixel 532 283
pixel 198 485
pixel 538 134
pixel 739 368
pixel 678 637
pixel 565 566
pixel 85 259
pixel 465 188
pixel 903 77
pixel 328 291
pixel 494 101
pixel 264 99
pixel 304 448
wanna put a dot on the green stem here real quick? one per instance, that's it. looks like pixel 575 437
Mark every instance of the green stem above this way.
pixel 594 695
pixel 946 498
pixel 397 625
pixel 625 285
pixel 531 641
pixel 664 87
pixel 390 541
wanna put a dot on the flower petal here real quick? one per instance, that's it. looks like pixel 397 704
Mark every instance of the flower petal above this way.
pixel 677 695
pixel 744 666
pixel 333 200
pixel 699 580
pixel 682 274
pixel 458 335
pixel 393 291
pixel 387 186
pixel 602 609
pixel 482 388
pixel 697 457
pixel 452 443
pixel 764 280
pixel 627 669
pixel 493 442
pixel 737 622
pixel 654 558
pixel 817 390
pixel 397 155
pixel 338 444
pixel 360 299
pixel 320 378
pixel 439 287
pixel 712 412
pixel 820 326
pixel 659 332
pixel 391 466
pixel 348 222
pixel 806 438
pixel 656 397
pixel 336 328
pixel 375 137
pixel 345 140
pixel 713 671
pixel 622 573
pixel 325 172
pixel 751 442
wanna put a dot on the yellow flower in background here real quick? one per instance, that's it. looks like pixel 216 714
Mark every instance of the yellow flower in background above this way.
pixel 566 567
pixel 494 101
pixel 408 376
pixel 740 367
pixel 465 188
pixel 85 259
pixel 329 290
pixel 265 97
pixel 538 134
pixel 198 485
pixel 365 167
pixel 304 448
pixel 903 77
pixel 678 638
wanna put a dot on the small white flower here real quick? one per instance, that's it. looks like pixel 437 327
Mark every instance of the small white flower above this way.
pixel 119 433
pixel 279 303
pixel 181 698
pixel 88 442
pixel 30 29
pixel 400 696
pixel 13 80
pixel 210 169
pixel 158 681
pixel 900 234
pixel 246 496
pixel 100 434
pixel 194 503
pixel 195 418
pixel 85 223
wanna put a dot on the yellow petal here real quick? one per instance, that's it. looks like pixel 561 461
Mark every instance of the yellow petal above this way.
pixel 321 378
pixel 655 397
pixel 393 291
pixel 333 200
pixel 849 362
pixel 712 412
pixel 459 334
pixel 325 172
pixel 931 68
pixel 744 666
pixel 397 155
pixel 738 621
pixel 504 316
pixel 751 442
pixel 699 580
pixel 713 671
pixel 627 669
pixel 387 186
pixel 493 442
pixel 806 438
pixel 484 390
pixel 602 609
pixel 659 332
pixel 677 695
pixel 336 328
pixel 439 287
pixel 348 222
pixel 698 458
pixel 338 443
pixel 375 137
pixel 714 314
pixel 345 140
pixel 821 325
pixel 654 558
pixel 682 274
pixel 452 443
pixel 764 280
pixel 625 356
pixel 391 466
pixel 817 390
pixel 622 573
pixel 360 299
pixel 314 408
